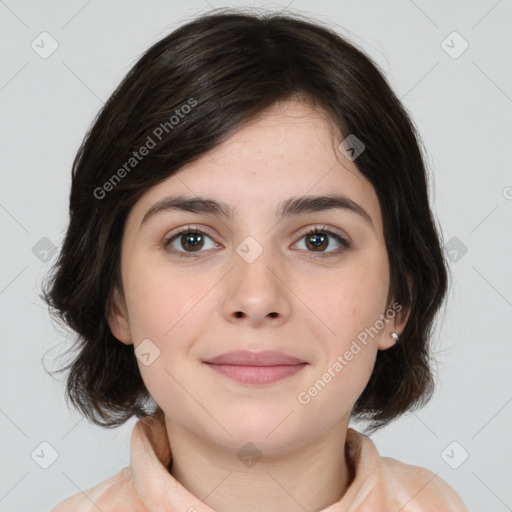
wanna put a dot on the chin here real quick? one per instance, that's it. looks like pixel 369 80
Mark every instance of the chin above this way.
pixel 271 433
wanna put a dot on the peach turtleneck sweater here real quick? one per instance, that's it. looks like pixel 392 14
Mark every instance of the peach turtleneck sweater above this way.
pixel 380 483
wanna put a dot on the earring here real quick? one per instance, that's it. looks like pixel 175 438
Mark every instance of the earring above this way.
pixel 395 336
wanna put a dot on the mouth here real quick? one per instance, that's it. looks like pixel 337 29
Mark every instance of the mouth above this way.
pixel 256 367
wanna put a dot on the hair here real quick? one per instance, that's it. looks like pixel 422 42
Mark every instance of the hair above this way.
pixel 200 84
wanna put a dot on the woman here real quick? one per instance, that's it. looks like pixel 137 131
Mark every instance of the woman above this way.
pixel 251 261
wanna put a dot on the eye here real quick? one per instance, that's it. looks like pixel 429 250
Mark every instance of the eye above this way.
pixel 189 238
pixel 318 240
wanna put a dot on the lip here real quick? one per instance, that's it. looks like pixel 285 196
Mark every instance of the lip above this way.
pixel 246 358
pixel 256 367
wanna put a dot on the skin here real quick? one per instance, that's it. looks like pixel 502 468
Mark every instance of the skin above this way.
pixel 290 298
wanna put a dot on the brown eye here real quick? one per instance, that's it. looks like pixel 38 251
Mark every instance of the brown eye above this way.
pixel 319 240
pixel 192 241
pixel 187 242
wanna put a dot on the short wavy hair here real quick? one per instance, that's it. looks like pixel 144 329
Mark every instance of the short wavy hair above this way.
pixel 233 65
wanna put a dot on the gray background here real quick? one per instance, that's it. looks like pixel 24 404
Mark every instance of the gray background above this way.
pixel 462 106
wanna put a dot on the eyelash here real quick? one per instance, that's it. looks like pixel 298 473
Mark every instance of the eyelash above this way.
pixel 313 231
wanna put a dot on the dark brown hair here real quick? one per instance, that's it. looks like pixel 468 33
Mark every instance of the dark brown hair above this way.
pixel 198 85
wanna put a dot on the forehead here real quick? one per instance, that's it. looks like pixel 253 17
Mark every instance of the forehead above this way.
pixel 291 149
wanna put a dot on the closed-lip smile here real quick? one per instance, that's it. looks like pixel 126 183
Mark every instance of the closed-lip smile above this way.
pixel 264 367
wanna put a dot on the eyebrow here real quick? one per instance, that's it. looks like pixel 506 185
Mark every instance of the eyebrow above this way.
pixel 292 206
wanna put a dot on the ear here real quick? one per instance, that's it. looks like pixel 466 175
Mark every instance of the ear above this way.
pixel 118 318
pixel 396 324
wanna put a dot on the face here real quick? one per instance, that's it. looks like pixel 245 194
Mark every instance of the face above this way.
pixel 308 284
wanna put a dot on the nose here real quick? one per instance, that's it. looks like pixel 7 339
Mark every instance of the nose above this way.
pixel 256 292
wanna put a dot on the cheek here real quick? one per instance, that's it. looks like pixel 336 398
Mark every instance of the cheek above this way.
pixel 162 302
pixel 350 303
pixel 167 309
pixel 352 300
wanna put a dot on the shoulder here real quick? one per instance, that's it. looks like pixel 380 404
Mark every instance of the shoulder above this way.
pixel 421 487
pixel 406 487
pixel 117 490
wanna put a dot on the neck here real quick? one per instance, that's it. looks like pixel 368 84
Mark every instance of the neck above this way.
pixel 311 477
